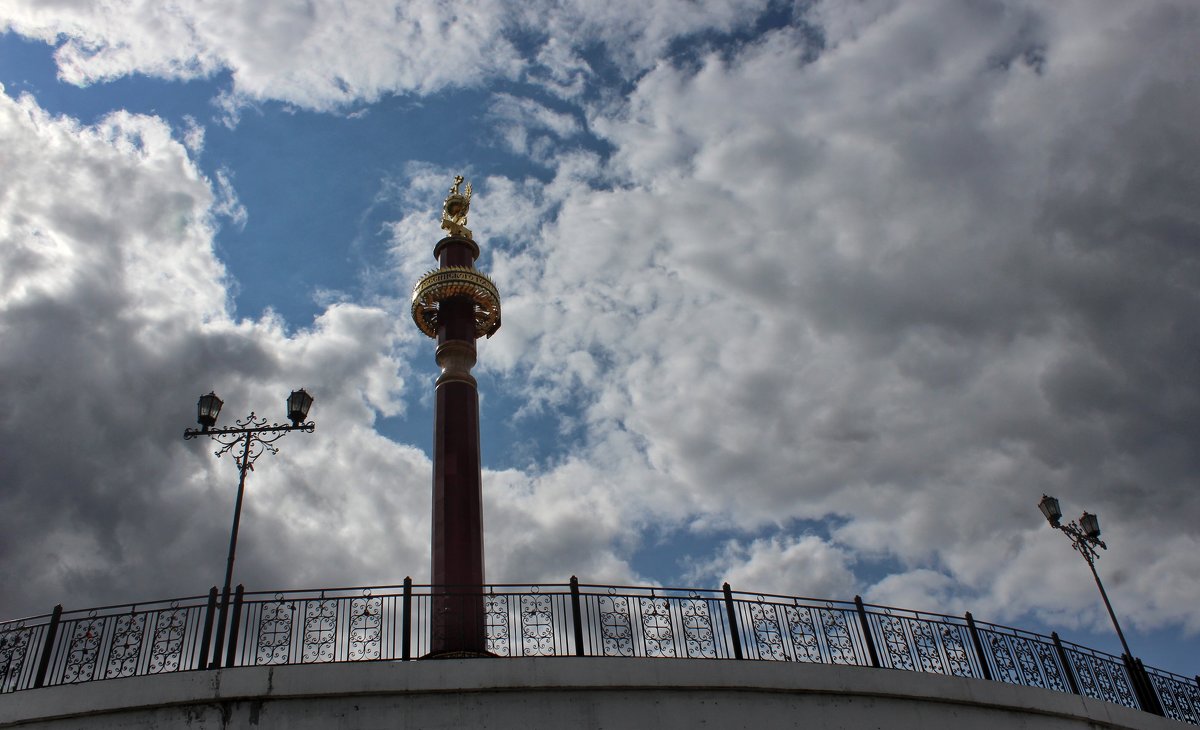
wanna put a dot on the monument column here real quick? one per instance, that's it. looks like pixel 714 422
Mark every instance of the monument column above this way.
pixel 455 304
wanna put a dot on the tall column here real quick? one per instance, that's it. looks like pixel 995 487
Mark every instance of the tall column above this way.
pixel 455 304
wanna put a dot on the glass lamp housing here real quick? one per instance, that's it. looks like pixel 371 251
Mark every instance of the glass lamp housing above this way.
pixel 1090 524
pixel 298 404
pixel 207 410
pixel 1049 507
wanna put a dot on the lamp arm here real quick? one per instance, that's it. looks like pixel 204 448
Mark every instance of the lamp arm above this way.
pixel 1084 545
pixel 249 437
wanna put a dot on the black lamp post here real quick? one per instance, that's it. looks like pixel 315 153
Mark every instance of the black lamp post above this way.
pixel 247 439
pixel 1085 538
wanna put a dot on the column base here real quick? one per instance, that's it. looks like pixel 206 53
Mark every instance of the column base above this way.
pixel 459 654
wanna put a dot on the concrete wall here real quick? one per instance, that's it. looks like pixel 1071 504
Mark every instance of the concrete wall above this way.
pixel 559 693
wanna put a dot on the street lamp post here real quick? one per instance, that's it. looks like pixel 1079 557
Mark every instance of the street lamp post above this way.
pixel 246 440
pixel 1085 538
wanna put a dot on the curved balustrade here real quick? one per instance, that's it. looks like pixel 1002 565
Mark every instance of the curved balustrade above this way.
pixel 572 619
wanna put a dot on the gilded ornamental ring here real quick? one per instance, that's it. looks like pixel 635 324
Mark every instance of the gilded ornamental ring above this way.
pixel 456 281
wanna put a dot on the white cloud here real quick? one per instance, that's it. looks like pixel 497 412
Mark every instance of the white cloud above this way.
pixel 529 114
pixel 519 122
pixel 227 204
pixel 327 54
pixel 923 589
pixel 317 55
pixel 193 135
pixel 801 566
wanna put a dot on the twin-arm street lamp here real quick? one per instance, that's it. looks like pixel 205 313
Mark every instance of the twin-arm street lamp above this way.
pixel 1085 538
pixel 247 439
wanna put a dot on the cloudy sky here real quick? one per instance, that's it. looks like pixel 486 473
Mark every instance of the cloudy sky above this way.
pixel 817 299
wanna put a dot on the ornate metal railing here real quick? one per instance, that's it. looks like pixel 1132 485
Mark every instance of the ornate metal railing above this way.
pixel 572 619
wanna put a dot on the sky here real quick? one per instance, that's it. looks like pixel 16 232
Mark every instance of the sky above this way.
pixel 814 298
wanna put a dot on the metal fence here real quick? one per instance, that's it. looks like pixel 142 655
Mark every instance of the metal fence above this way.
pixel 572 619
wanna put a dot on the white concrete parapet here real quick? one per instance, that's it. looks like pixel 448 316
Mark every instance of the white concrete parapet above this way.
pixel 560 692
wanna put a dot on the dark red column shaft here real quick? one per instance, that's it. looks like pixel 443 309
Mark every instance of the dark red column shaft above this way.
pixel 457 491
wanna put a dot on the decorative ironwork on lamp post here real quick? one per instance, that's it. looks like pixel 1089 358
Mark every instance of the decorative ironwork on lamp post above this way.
pixel 248 439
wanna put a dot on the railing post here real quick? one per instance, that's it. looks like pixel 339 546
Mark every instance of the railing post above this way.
pixel 1068 670
pixel 206 636
pixel 1150 686
pixel 983 662
pixel 406 621
pixel 1139 691
pixel 1142 686
pixel 48 647
pixel 577 616
pixel 866 629
pixel 734 634
pixel 235 624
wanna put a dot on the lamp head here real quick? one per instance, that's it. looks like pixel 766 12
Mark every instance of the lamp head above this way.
pixel 298 404
pixel 207 410
pixel 1090 524
pixel 1049 507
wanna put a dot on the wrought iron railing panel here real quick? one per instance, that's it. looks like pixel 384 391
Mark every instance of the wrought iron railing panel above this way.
pixel 306 627
pixel 779 628
pixel 498 624
pixel 923 642
pixel 653 622
pixel 699 627
pixel 1101 676
pixel 532 622
pixel 1180 696
pixel 110 643
pixel 365 628
pixel 401 622
pixel 614 618
pixel 1019 657
pixel 21 644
